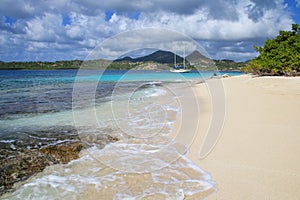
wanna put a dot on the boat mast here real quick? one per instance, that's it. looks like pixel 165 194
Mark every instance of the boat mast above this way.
pixel 174 59
pixel 184 58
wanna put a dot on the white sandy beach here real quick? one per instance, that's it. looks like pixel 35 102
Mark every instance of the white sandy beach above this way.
pixel 258 153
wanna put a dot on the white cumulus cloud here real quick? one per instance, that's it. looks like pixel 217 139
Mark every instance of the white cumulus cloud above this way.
pixel 69 29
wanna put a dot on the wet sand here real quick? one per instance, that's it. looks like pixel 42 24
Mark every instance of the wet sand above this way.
pixel 257 154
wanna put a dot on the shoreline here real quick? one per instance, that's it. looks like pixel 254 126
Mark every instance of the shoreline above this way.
pixel 182 179
pixel 256 156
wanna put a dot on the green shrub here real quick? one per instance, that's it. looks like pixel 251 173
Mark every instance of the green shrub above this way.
pixel 278 56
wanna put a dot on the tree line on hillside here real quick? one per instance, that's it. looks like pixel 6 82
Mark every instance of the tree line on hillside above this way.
pixel 162 61
pixel 39 65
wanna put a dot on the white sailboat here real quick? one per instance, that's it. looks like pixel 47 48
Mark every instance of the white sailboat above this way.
pixel 181 68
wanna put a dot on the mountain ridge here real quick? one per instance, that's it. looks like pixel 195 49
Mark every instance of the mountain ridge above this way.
pixel 157 60
pixel 160 56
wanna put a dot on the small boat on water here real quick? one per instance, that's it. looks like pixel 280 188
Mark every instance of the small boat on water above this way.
pixel 180 68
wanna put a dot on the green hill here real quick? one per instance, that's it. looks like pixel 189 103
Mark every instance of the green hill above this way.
pixel 161 60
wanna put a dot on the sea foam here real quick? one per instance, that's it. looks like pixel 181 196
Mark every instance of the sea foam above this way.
pixel 144 163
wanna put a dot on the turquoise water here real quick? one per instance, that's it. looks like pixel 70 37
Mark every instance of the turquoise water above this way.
pixel 158 76
pixel 138 107
pixel 52 76
pixel 36 91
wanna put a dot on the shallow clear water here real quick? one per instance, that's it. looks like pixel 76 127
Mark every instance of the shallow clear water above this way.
pixel 138 107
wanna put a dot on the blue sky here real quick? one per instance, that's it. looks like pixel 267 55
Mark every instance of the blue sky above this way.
pixel 49 30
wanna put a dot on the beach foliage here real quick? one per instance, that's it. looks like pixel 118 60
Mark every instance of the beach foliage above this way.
pixel 278 56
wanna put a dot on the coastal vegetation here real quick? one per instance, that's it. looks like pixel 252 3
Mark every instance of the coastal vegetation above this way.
pixel 159 60
pixel 278 56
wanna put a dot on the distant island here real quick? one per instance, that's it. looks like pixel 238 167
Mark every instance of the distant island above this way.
pixel 158 60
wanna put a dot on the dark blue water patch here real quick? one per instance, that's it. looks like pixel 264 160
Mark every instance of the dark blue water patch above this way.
pixel 19 74
pixel 25 92
pixel 44 98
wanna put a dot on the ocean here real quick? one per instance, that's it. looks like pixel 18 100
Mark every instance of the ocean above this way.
pixel 137 107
